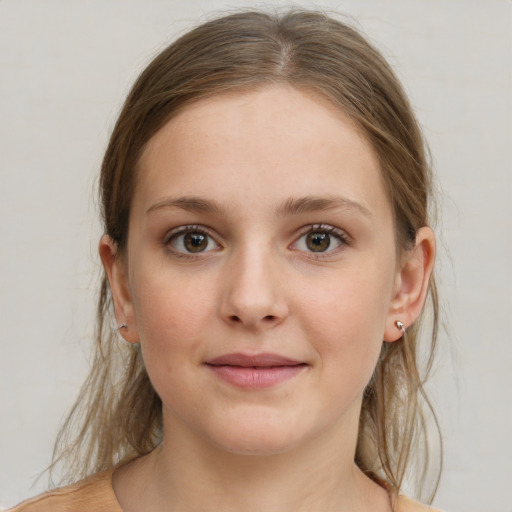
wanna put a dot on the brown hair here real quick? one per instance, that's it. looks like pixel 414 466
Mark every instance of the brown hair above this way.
pixel 118 414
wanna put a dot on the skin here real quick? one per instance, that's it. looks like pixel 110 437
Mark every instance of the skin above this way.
pixel 242 169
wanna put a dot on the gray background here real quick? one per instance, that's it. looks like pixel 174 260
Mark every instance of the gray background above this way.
pixel 66 65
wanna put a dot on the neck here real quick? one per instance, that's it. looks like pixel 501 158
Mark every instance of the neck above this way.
pixel 189 473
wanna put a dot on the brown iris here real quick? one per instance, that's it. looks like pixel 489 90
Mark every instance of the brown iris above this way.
pixel 318 242
pixel 195 242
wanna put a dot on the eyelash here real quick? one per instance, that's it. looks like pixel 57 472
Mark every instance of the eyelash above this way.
pixel 183 231
pixel 340 235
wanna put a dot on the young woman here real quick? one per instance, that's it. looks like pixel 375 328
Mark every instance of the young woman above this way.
pixel 267 257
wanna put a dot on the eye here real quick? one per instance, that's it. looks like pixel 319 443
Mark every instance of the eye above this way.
pixel 321 239
pixel 191 240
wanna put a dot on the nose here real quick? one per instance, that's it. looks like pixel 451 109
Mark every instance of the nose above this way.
pixel 254 296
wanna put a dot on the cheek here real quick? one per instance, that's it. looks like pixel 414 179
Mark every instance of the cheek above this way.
pixel 172 319
pixel 345 321
pixel 169 302
pixel 172 315
pixel 354 302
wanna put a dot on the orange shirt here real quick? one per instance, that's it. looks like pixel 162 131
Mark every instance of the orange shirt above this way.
pixel 95 494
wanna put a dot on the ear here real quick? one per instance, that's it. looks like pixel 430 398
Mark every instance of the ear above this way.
pixel 411 284
pixel 117 272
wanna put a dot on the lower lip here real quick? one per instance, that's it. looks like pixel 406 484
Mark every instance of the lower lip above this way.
pixel 256 377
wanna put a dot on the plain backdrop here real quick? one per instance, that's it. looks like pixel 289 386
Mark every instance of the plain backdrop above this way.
pixel 65 67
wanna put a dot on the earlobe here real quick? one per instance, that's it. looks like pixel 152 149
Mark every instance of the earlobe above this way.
pixel 116 270
pixel 412 285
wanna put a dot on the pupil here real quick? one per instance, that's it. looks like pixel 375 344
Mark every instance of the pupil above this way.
pixel 195 242
pixel 318 242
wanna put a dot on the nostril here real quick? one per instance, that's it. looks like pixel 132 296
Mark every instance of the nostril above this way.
pixel 267 318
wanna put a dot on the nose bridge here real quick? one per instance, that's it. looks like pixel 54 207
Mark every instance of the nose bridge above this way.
pixel 253 294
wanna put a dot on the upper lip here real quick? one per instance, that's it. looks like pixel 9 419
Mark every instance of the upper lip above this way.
pixel 245 360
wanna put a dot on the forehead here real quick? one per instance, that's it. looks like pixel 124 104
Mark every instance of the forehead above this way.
pixel 268 142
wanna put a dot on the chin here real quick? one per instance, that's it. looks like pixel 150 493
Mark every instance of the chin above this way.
pixel 258 438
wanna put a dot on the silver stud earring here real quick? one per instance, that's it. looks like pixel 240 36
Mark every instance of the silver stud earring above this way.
pixel 122 326
pixel 400 326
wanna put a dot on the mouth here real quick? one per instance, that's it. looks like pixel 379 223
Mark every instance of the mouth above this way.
pixel 255 371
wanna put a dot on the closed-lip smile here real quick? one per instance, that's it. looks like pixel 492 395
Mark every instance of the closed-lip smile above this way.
pixel 254 371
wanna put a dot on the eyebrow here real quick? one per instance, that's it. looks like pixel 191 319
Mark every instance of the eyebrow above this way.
pixel 310 204
pixel 290 207
pixel 191 204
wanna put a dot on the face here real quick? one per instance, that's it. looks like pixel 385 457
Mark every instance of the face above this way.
pixel 260 274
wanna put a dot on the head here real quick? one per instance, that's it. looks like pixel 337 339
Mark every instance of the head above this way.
pixel 321 60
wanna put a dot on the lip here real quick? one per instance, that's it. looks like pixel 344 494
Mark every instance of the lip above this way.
pixel 255 371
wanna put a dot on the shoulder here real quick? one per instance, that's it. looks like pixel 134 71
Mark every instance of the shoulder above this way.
pixel 93 494
pixel 404 504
